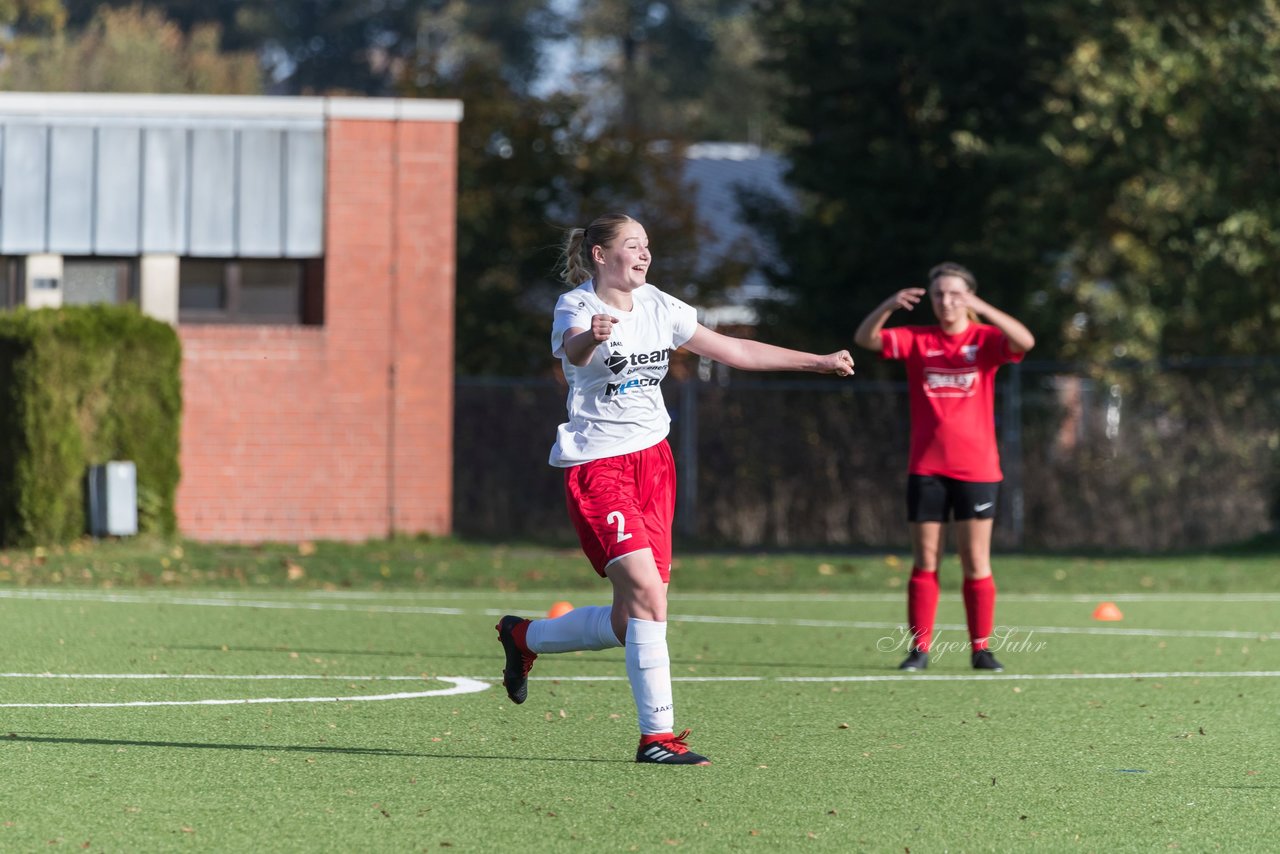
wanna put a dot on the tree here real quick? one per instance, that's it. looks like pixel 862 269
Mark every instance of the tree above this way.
pixel 131 50
pixel 25 25
pixel 1164 121
pixel 531 166
pixel 32 17
pixel 363 47
pixel 918 133
pixel 675 69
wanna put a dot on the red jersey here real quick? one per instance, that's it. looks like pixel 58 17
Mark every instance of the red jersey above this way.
pixel 952 383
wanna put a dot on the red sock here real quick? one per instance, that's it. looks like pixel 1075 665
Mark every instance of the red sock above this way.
pixel 519 633
pixel 980 609
pixel 922 607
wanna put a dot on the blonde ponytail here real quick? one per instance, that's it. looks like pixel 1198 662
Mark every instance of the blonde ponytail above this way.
pixel 573 271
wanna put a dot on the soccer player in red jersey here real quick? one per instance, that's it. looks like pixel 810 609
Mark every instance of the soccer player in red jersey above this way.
pixel 953 472
pixel 614 334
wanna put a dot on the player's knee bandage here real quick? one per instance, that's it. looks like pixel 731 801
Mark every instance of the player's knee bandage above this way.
pixel 650 642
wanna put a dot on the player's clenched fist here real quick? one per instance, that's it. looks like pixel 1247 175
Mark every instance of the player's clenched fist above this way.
pixel 602 326
pixel 840 364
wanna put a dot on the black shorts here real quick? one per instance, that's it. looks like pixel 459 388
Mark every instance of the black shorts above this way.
pixel 932 498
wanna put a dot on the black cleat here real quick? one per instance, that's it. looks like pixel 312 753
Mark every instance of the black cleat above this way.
pixel 671 751
pixel 515 676
pixel 984 660
pixel 917 659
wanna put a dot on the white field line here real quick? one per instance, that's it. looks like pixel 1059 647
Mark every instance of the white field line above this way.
pixel 472 685
pixel 459 685
pixel 1049 630
pixel 960 677
pixel 747 596
pixel 268 598
pixel 368 607
pixel 218 677
pixel 217 602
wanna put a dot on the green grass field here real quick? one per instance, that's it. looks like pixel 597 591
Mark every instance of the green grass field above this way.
pixel 228 708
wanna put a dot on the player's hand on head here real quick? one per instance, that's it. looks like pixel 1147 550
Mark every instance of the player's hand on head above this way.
pixel 971 301
pixel 840 364
pixel 908 298
pixel 602 326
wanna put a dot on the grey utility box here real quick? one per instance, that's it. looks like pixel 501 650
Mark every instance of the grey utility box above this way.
pixel 113 499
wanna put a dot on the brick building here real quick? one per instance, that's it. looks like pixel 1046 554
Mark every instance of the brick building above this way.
pixel 305 250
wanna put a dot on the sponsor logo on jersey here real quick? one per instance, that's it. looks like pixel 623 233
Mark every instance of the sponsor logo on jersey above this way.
pixel 652 366
pixel 612 389
pixel 955 382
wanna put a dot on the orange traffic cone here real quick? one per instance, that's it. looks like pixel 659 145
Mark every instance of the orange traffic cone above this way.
pixel 1107 611
pixel 559 609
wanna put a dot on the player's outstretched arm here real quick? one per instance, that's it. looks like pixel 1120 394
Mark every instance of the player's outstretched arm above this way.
pixel 868 334
pixel 747 355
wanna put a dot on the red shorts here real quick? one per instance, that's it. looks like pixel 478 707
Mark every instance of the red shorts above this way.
pixel 621 505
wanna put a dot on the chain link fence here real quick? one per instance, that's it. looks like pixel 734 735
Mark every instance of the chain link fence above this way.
pixel 1135 458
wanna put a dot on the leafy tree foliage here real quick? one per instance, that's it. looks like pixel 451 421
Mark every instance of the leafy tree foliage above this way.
pixel 1107 167
pixel 918 131
pixel 25 26
pixel 130 49
pixel 32 17
pixel 359 46
pixel 1164 125
pixel 676 69
pixel 530 167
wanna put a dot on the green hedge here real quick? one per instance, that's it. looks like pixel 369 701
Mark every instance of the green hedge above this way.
pixel 79 386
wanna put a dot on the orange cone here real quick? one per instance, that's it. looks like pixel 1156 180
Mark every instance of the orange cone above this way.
pixel 559 609
pixel 1107 611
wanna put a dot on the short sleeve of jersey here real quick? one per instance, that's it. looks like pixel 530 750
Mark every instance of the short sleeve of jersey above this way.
pixel 574 310
pixel 684 320
pixel 996 349
pixel 896 343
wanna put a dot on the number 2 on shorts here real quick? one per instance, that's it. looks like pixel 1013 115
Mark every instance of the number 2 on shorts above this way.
pixel 617 518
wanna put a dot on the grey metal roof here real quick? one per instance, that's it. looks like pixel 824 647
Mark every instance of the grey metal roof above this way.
pixel 204 176
pixel 718 172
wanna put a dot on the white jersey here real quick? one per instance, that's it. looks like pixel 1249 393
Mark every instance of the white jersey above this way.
pixel 615 400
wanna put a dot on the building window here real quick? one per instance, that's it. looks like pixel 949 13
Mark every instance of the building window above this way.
pixel 91 281
pixel 279 292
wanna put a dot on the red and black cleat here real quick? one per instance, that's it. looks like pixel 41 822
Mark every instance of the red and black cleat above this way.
pixel 669 750
pixel 515 676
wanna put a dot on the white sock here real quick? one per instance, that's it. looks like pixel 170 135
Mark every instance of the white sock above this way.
pixel 582 628
pixel 649 669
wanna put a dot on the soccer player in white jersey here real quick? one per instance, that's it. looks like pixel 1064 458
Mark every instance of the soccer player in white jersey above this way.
pixel 614 334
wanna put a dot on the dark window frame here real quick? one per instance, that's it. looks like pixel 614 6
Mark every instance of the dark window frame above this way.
pixel 310 310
